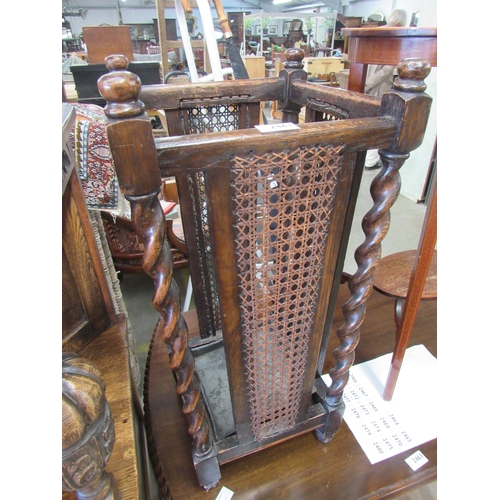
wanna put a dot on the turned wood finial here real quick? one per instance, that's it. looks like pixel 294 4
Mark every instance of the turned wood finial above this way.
pixel 411 75
pixel 294 58
pixel 120 88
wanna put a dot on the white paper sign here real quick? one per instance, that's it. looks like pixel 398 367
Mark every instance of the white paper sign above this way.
pixel 225 494
pixel 416 460
pixel 276 127
pixel 386 428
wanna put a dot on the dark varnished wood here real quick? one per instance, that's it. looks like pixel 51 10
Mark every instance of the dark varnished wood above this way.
pixel 183 154
pixel 387 46
pixel 354 105
pixel 301 467
pixel 132 145
pixel 220 157
pixel 171 96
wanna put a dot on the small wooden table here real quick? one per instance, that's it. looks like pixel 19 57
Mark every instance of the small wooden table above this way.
pixel 301 467
pixel 386 46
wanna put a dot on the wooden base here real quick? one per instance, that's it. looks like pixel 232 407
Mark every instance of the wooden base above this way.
pixel 301 467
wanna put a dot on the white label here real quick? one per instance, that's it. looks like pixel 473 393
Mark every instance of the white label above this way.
pixel 276 127
pixel 225 494
pixel 416 460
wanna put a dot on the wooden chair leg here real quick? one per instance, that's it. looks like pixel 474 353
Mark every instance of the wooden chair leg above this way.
pixel 423 260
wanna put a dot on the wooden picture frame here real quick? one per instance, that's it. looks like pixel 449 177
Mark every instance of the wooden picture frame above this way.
pixel 273 29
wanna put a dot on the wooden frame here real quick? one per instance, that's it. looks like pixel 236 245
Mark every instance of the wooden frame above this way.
pixel 273 29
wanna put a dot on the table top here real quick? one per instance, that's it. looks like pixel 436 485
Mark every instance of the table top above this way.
pixel 387 46
pixel 384 31
pixel 301 467
pixel 393 274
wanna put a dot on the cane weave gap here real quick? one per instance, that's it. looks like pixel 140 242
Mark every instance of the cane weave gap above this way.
pixel 282 207
pixel 216 118
pixel 204 252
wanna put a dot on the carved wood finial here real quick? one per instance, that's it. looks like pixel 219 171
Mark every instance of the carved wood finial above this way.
pixel 120 88
pixel 294 58
pixel 88 433
pixel 411 74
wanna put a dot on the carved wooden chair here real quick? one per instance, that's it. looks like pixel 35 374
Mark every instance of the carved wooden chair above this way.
pixel 278 208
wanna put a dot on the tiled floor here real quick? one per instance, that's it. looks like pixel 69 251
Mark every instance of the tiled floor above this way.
pixel 407 218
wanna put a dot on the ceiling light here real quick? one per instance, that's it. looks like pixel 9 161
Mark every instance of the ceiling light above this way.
pixel 277 2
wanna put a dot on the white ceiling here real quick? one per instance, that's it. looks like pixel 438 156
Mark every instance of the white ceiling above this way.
pixel 229 5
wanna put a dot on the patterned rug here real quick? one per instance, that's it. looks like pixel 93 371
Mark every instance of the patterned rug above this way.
pixel 93 158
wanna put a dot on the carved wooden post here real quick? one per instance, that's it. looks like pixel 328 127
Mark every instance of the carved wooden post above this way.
pixel 293 71
pixel 136 163
pixel 88 432
pixel 408 103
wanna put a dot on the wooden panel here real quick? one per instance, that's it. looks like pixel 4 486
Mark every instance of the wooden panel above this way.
pixel 103 41
pixel 392 50
pixel 80 250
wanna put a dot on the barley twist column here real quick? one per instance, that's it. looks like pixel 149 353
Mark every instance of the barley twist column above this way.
pixel 410 106
pixel 134 155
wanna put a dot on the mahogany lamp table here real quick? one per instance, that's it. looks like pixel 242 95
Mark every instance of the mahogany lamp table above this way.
pixel 388 46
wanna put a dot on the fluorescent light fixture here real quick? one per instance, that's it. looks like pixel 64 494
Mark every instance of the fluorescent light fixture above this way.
pixel 277 2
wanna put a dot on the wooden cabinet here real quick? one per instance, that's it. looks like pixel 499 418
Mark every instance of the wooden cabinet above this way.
pixel 317 66
pixel 171 27
pixel 102 41
pixel 142 35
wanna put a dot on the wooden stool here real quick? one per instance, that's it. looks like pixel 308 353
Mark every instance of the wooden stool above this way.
pixel 392 278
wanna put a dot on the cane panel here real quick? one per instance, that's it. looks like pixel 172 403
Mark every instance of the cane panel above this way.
pixel 282 206
pixel 214 118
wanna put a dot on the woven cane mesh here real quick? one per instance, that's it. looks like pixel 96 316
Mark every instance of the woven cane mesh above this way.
pixel 204 253
pixel 216 118
pixel 282 205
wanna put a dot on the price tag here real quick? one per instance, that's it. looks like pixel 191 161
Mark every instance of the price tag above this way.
pixel 276 127
pixel 416 460
pixel 225 494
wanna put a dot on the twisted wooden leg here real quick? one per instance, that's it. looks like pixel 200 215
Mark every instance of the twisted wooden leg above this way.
pixel 384 191
pixel 157 262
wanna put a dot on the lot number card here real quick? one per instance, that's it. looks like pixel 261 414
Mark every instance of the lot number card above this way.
pixel 384 429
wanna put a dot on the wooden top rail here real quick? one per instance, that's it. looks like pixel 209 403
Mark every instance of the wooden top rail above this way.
pixel 191 153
